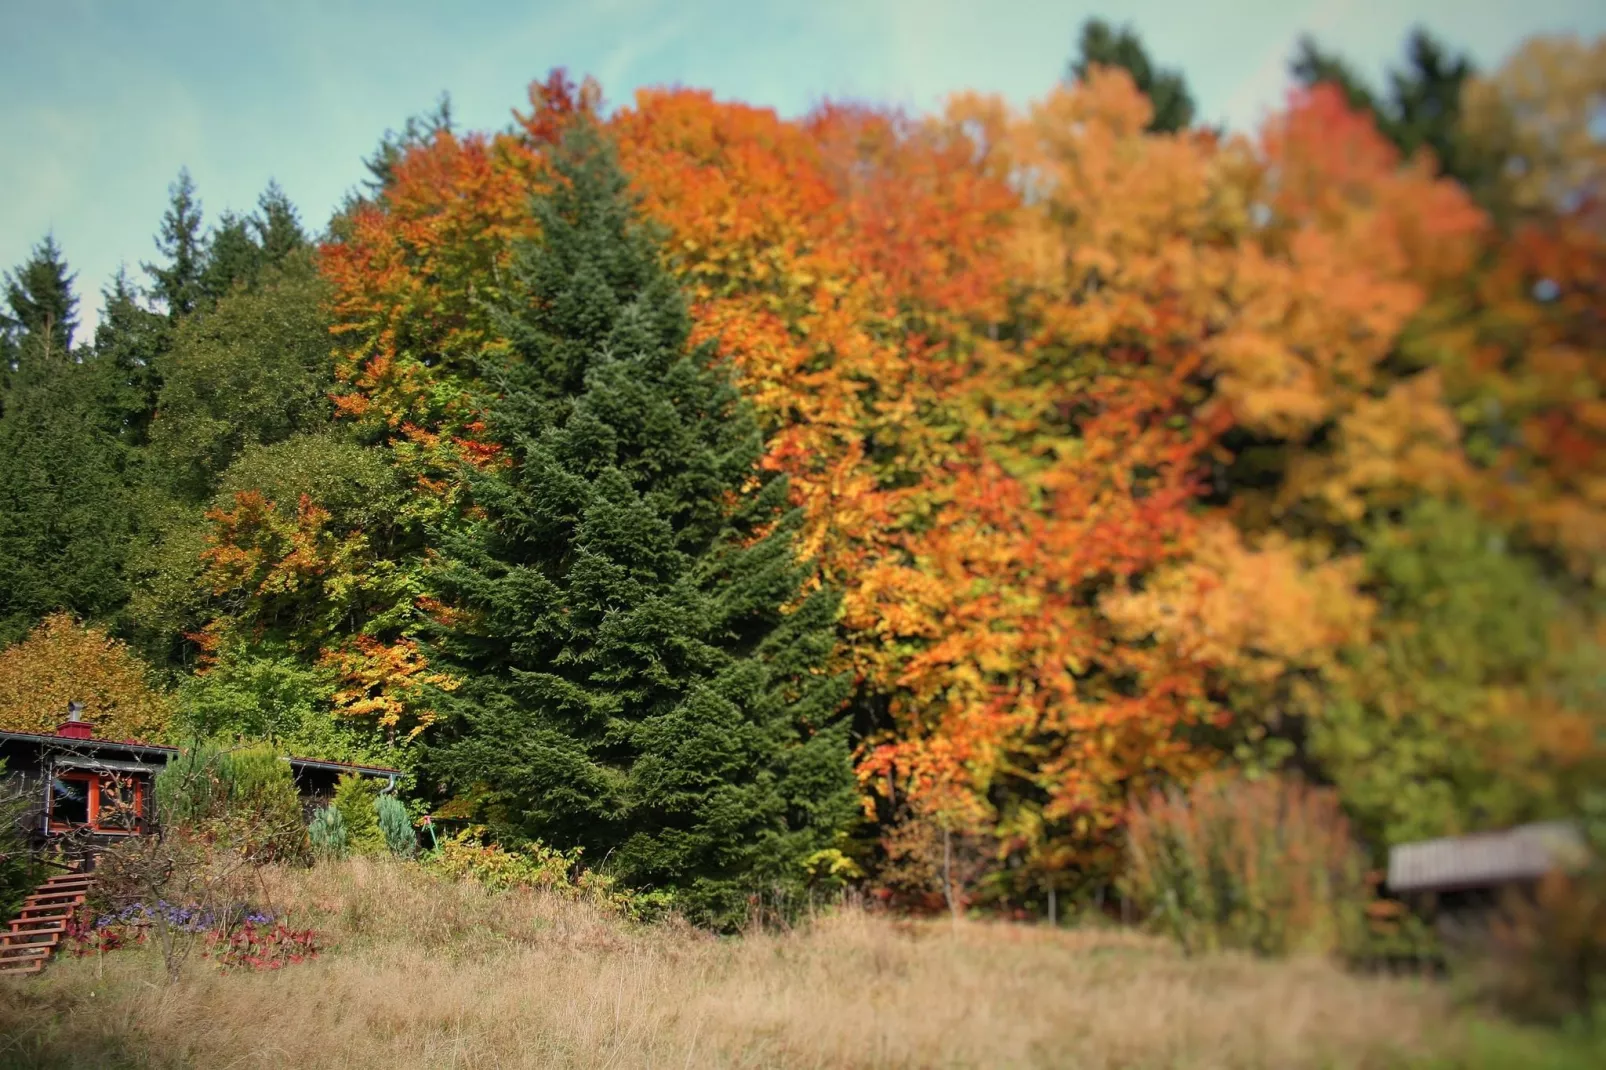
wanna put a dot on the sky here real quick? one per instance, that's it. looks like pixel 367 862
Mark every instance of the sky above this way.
pixel 106 100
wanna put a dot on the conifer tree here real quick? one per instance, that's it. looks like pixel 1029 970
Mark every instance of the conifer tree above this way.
pixel 278 226
pixel 178 282
pixel 129 342
pixel 641 654
pixel 65 515
pixel 1422 108
pixel 42 313
pixel 1167 90
pixel 232 257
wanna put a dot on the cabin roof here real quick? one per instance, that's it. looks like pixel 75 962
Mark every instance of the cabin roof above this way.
pixel 89 744
pixel 158 749
pixel 319 763
pixel 1484 859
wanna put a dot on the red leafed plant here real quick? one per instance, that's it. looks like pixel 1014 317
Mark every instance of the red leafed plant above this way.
pixel 256 947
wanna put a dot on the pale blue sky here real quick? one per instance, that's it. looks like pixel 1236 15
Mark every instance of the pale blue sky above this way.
pixel 105 100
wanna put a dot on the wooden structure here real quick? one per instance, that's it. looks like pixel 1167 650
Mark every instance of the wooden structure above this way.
pixel 40 926
pixel 1459 881
pixel 91 792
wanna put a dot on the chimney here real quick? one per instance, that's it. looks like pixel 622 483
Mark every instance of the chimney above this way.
pixel 74 727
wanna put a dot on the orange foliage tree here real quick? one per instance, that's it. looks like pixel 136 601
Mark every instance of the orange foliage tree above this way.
pixel 63 661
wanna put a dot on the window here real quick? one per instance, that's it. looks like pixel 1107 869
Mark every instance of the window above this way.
pixel 106 802
pixel 70 798
pixel 118 806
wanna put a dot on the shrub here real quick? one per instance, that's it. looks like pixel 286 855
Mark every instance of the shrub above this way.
pixel 193 787
pixel 328 834
pixel 355 797
pixel 396 826
pixel 244 798
pixel 265 805
pixel 465 856
pixel 1547 953
pixel 18 868
pixel 1266 865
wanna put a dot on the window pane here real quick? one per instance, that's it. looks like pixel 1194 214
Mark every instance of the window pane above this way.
pixel 69 800
pixel 119 806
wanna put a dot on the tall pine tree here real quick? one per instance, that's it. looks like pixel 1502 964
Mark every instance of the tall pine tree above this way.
pixel 178 282
pixel 641 653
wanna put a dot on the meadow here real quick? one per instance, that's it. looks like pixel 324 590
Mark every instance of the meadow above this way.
pixel 420 971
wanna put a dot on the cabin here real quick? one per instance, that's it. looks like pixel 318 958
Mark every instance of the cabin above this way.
pixel 98 791
pixel 1460 881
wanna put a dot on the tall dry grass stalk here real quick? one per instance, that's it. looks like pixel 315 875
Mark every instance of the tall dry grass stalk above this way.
pixel 1265 865
pixel 425 972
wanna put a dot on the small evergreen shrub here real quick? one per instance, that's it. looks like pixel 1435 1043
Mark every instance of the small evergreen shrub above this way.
pixel 396 826
pixel 355 798
pixel 193 787
pixel 327 834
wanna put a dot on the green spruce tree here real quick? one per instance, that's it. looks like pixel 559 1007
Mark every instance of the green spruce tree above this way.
pixel 178 282
pixel 233 258
pixel 278 226
pixel 1167 90
pixel 42 315
pixel 641 652
pixel 65 514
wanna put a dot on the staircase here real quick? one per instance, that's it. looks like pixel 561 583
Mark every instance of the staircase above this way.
pixel 39 928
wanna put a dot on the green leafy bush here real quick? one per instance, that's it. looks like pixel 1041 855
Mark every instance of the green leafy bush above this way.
pixel 245 798
pixel 1264 865
pixel 467 856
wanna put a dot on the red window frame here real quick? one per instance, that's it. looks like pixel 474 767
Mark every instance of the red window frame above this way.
pixel 94 784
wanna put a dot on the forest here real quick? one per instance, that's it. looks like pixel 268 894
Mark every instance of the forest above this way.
pixel 754 507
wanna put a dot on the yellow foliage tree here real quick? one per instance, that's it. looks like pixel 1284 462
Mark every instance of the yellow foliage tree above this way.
pixel 64 661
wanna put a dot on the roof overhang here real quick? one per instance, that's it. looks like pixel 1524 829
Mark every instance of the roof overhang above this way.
pixel 78 761
pixel 1485 859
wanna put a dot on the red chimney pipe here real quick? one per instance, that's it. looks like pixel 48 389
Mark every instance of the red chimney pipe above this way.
pixel 75 730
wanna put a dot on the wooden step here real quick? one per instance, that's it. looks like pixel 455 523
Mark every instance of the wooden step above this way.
pixel 30 948
pixel 38 925
pixel 44 900
pixel 46 911
pixel 20 952
pixel 22 971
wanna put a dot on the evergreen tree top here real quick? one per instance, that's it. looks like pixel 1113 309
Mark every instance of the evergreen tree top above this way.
pixel 177 283
pixel 1167 90
pixel 42 304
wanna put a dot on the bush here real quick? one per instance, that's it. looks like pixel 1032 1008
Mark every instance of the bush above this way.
pixel 1265 865
pixel 18 868
pixel 465 856
pixel 396 826
pixel 193 787
pixel 244 798
pixel 328 834
pixel 263 798
pixel 355 798
pixel 1547 959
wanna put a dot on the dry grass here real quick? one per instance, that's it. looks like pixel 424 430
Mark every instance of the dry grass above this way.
pixel 424 973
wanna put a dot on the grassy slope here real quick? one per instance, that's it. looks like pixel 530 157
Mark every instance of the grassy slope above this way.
pixel 425 973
